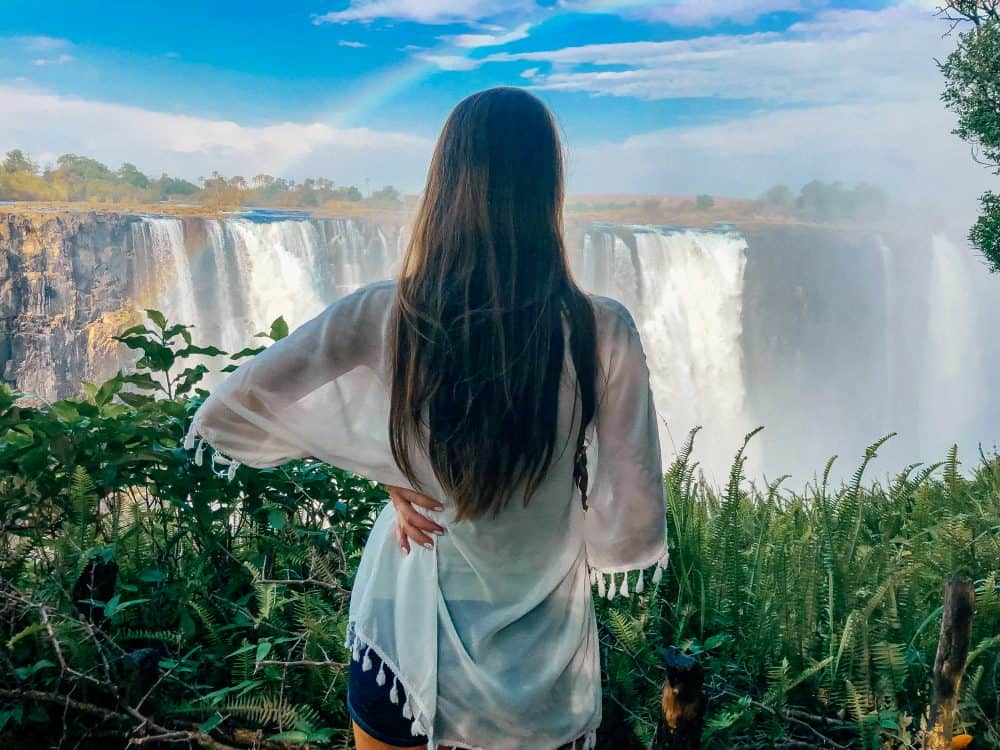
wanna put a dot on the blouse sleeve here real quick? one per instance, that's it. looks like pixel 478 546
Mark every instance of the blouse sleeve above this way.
pixel 315 392
pixel 625 525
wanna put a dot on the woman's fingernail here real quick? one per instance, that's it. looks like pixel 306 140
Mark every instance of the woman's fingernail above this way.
pixel 439 532
pixel 428 545
pixel 438 507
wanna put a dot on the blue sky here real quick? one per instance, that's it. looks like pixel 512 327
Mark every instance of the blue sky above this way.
pixel 725 96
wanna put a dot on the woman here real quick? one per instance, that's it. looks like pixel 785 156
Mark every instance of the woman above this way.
pixel 474 385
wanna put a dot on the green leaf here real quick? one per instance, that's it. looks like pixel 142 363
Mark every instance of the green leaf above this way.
pixel 279 329
pixel 111 606
pixel 249 351
pixel 152 575
pixel 158 318
pixel 144 381
pixel 208 351
pixel 66 411
pixel 210 723
pixel 15 712
pixel 138 330
pixel 276 519
pixel 263 649
pixel 107 391
pixel 24 673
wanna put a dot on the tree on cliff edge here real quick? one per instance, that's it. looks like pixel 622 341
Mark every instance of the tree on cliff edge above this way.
pixel 972 91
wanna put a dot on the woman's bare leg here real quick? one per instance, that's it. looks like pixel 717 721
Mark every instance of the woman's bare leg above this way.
pixel 364 741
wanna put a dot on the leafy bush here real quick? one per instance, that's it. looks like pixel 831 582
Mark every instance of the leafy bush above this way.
pixel 145 595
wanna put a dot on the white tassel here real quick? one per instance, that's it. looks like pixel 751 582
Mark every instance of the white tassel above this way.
pixel 380 677
pixel 657 575
pixel 366 665
pixel 189 439
pixel 593 576
pixel 611 587
pixel 199 455
pixel 232 470
pixel 415 728
pixel 600 585
pixel 394 693
pixel 640 585
pixel 407 714
pixel 624 589
pixel 356 651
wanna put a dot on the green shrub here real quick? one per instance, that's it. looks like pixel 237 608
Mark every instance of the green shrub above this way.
pixel 145 594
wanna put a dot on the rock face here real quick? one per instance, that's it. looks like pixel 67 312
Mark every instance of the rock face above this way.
pixel 64 290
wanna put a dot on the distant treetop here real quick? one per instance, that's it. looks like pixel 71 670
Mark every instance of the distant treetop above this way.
pixel 81 178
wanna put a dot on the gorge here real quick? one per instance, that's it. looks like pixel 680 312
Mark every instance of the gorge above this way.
pixel 831 336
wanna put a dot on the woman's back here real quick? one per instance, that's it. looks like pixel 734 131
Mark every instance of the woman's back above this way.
pixel 479 379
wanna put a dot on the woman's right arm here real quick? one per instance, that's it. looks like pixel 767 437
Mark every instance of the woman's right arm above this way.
pixel 625 524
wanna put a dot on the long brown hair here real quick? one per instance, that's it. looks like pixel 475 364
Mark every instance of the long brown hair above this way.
pixel 483 297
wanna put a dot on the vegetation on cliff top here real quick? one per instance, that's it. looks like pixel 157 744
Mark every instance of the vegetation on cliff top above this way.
pixel 82 179
pixel 144 594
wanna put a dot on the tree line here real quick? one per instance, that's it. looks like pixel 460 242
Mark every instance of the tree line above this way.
pixel 826 201
pixel 81 178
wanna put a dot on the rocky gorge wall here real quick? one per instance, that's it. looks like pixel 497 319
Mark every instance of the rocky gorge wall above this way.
pixel 65 289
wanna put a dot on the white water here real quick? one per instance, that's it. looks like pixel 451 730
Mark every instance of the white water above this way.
pixel 168 273
pixel 915 364
pixel 685 290
pixel 954 384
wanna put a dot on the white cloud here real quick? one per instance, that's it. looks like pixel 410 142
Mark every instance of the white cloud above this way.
pixel 57 60
pixel 693 12
pixel 839 56
pixel 37 44
pixel 904 147
pixel 426 11
pixel 498 39
pixel 43 123
pixel 676 12
pixel 449 62
pixel 348 43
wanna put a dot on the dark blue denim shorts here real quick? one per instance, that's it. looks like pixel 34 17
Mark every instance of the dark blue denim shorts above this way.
pixel 370 704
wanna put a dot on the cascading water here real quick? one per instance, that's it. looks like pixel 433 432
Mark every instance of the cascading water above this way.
pixel 685 291
pixel 166 275
pixel 827 338
pixel 238 275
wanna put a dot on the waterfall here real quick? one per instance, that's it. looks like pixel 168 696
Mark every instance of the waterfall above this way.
pixel 244 273
pixel 830 339
pixel 953 384
pixel 685 291
pixel 167 270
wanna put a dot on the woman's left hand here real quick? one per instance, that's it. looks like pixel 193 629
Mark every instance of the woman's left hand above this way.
pixel 410 523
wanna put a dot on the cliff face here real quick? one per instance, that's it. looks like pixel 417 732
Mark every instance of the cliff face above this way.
pixel 64 290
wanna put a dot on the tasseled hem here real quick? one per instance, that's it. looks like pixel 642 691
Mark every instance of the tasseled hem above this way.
pixel 361 652
pixel 608 588
pixel 192 441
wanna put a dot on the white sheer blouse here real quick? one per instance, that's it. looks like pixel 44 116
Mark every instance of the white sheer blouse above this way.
pixel 492 633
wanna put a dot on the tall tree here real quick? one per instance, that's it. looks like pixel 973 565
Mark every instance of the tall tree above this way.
pixel 18 161
pixel 972 91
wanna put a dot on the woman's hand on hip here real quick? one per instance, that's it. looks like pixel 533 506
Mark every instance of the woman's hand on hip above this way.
pixel 411 524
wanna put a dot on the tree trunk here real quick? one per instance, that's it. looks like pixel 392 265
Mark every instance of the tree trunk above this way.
pixel 682 703
pixel 949 666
